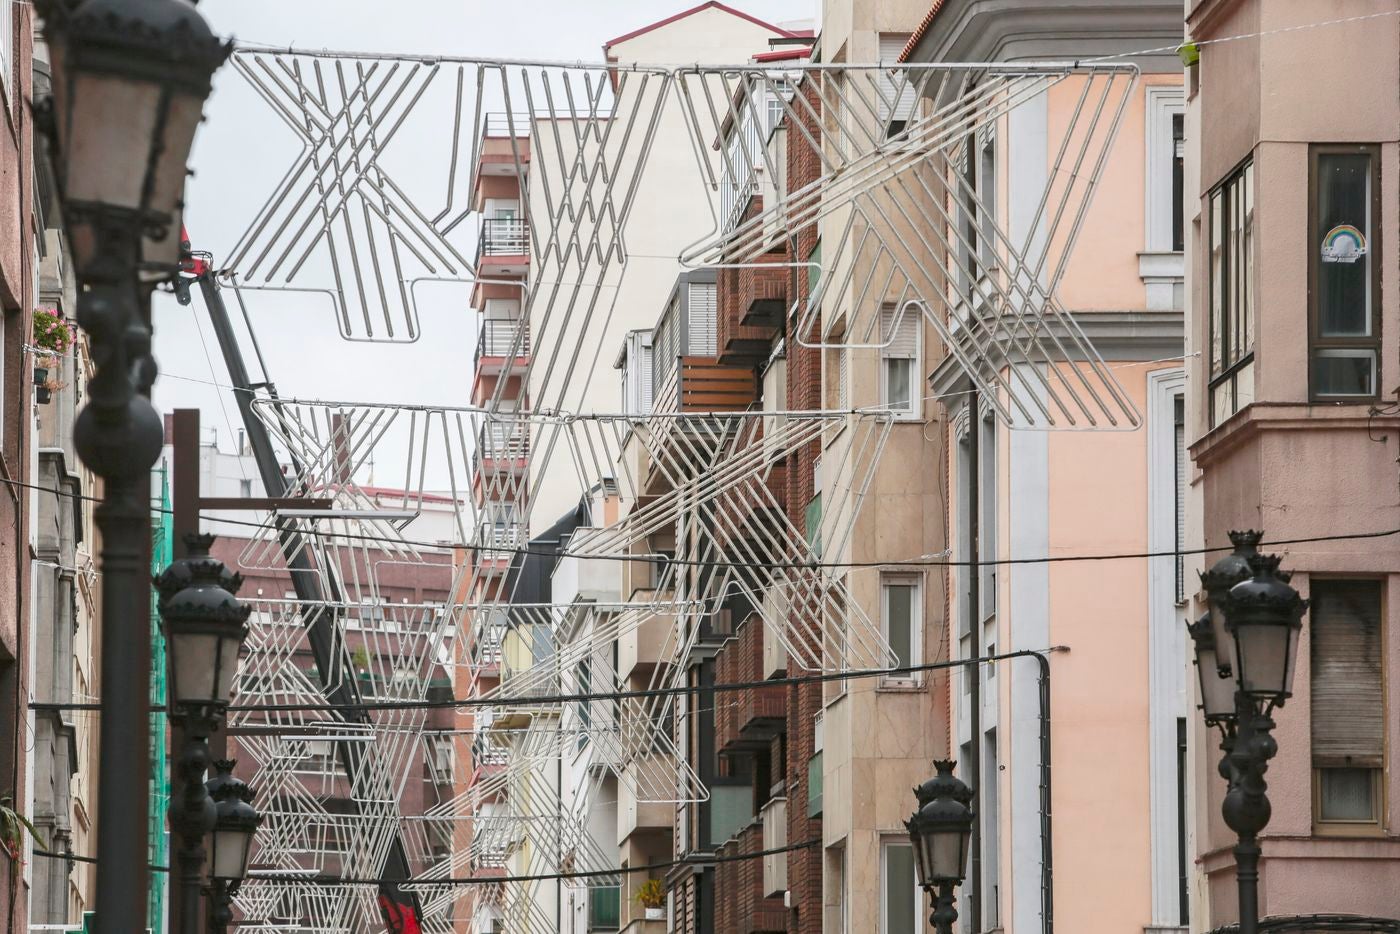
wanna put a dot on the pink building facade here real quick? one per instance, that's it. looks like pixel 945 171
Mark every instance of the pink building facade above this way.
pixel 1294 329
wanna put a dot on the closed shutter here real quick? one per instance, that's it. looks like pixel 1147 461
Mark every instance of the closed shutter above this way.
pixel 843 392
pixel 1348 696
pixel 896 87
pixel 644 368
pixel 703 319
pixel 904 338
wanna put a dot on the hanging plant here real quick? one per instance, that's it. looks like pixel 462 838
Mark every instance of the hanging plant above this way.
pixel 52 332
pixel 13 826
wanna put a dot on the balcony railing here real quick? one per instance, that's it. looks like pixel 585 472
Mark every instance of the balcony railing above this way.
pixel 503 337
pixel 504 236
pixel 486 753
pixel 814 785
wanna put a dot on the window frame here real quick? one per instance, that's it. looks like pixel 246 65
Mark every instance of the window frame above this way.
pixel 913 410
pixel 1229 374
pixel 916 625
pixel 1316 342
pixel 888 842
pixel 1378 825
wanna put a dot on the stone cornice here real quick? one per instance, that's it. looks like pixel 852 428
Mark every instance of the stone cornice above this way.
pixel 1135 336
pixel 1249 422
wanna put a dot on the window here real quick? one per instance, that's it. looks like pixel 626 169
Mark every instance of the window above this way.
pixel 843 378
pixel 1343 275
pixel 1179 494
pixel 987 195
pixel 900 624
pixel 899 891
pixel 1178 182
pixel 1348 704
pixel 442 759
pixel 987 520
pixel 245 488
pixel 834 891
pixel 585 686
pixel 899 359
pixel 894 87
pixel 1232 294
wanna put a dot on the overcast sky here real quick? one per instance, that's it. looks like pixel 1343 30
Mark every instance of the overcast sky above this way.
pixel 242 151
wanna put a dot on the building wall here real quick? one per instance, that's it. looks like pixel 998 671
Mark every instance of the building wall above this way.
pixel 18 260
pixel 1275 464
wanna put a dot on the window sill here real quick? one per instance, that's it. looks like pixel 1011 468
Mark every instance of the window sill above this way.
pixel 1373 831
pixel 899 687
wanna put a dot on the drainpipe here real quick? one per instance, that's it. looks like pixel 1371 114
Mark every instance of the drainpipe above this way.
pixel 974 672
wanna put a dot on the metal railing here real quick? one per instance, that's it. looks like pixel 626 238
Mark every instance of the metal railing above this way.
pixel 504 236
pixel 503 124
pixel 503 337
pixel 775 837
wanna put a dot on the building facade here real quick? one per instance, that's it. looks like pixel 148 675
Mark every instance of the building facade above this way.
pixel 1291 250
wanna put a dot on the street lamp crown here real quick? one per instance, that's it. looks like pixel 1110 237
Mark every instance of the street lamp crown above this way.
pixel 1234 567
pixel 167 33
pixel 199 571
pixel 943 785
pixel 1266 588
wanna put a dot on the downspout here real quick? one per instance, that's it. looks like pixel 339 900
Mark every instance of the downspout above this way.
pixel 974 673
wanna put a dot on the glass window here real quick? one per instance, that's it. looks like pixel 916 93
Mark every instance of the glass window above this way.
pixel 1232 294
pixel 1343 273
pixel 1178 182
pixel 1347 701
pixel 899 623
pixel 899 891
pixel 899 333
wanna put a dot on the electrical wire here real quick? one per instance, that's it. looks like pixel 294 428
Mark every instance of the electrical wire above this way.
pixel 299 879
pixel 919 561
pixel 550 700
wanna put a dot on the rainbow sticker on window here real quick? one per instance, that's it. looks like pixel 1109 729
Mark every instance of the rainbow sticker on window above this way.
pixel 1343 244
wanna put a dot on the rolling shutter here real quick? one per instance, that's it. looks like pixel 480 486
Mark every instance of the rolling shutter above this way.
pixel 702 315
pixel 904 339
pixel 894 84
pixel 1348 697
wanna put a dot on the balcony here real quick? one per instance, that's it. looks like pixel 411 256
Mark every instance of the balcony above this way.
pixel 702 384
pixel 756 714
pixel 503 247
pixel 752 306
pixel 774 820
pixel 746 909
pixel 497 545
pixel 639 648
pixel 502 345
pixel 501 448
pixel 653 777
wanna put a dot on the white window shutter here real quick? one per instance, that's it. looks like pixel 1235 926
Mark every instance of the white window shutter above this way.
pixel 843 391
pixel 895 86
pixel 903 338
pixel 644 371
pixel 703 319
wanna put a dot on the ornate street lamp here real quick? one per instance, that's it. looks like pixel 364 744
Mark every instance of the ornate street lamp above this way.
pixel 129 81
pixel 235 823
pixel 940 831
pixel 1257 617
pixel 205 625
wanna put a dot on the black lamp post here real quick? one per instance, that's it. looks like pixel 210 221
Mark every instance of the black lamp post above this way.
pixel 205 626
pixel 940 831
pixel 129 82
pixel 1255 617
pixel 235 823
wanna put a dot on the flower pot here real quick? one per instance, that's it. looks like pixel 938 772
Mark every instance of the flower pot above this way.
pixel 42 395
pixel 41 375
pixel 655 914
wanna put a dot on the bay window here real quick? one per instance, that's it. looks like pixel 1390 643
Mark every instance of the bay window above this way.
pixel 1343 273
pixel 1232 294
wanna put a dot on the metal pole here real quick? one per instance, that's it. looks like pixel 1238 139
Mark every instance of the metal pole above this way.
pixel 1246 807
pixel 118 435
pixel 945 910
pixel 193 815
pixel 974 672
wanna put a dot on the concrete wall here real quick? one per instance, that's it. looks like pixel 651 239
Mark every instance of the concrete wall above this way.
pixel 1286 466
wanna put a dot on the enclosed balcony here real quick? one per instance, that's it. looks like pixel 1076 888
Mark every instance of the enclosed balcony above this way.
pixel 686 373
pixel 497 544
pixel 502 448
pixel 755 715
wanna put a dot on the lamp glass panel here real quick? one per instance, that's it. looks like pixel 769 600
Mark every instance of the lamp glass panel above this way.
pixel 1224 642
pixel 230 854
pixel 228 663
pixel 193 658
pixel 1263 658
pixel 111 125
pixel 1217 693
pixel 1292 661
pixel 948 851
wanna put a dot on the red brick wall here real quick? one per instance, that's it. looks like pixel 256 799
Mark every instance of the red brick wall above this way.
pixel 804 701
